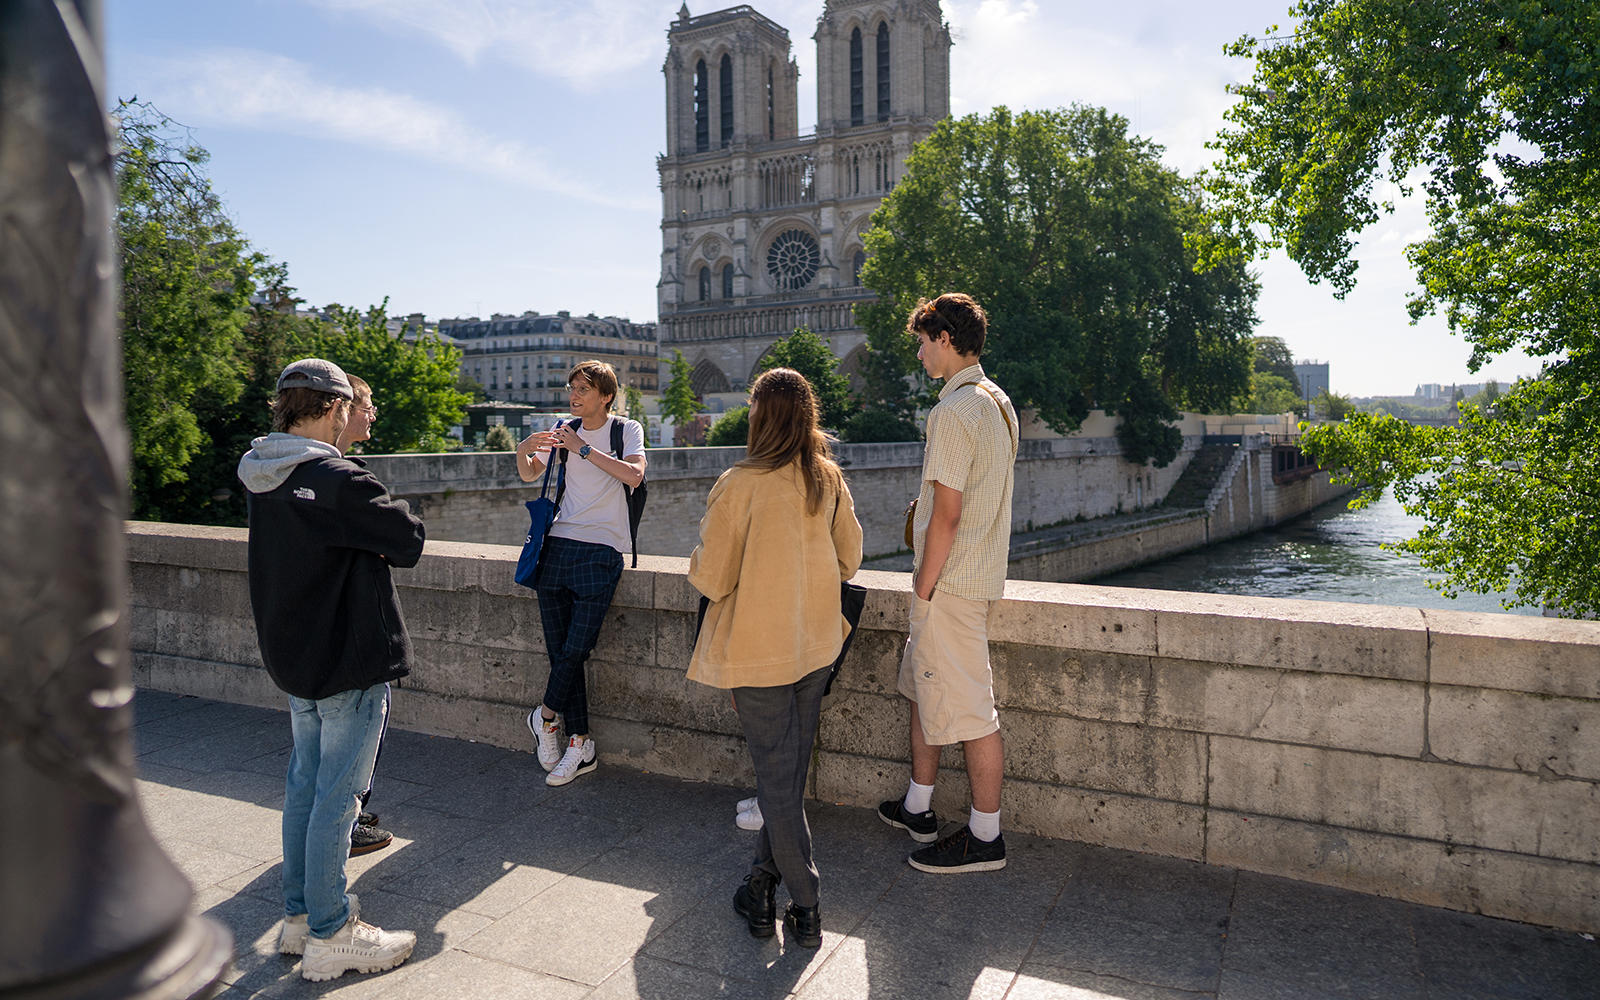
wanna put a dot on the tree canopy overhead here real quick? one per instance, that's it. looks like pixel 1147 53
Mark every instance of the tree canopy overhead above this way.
pixel 1072 235
pixel 1492 109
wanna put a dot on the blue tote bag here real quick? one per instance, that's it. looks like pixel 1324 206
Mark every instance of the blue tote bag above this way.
pixel 543 512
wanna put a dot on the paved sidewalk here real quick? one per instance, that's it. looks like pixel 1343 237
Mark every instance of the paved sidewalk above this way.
pixel 619 886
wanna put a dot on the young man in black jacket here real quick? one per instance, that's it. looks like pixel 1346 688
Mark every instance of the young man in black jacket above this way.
pixel 323 534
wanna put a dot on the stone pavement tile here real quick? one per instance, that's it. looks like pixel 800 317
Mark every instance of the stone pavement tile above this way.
pixel 224 824
pixel 591 923
pixel 715 938
pixel 149 705
pixel 1326 939
pixel 1478 958
pixel 698 834
pixel 227 748
pixel 420 835
pixel 204 718
pixel 638 799
pixel 1036 871
pixel 264 881
pixel 455 975
pixel 434 760
pixel 1042 982
pixel 1236 985
pixel 160 774
pixel 496 793
pixel 856 836
pixel 206 866
pixel 1157 921
pixel 148 742
pixel 647 978
pixel 502 868
pixel 241 786
pixel 901 953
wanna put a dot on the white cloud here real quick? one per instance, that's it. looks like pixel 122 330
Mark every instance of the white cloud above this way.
pixel 583 41
pixel 244 88
pixel 1018 53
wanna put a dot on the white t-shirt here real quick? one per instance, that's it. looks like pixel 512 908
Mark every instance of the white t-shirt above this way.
pixel 595 506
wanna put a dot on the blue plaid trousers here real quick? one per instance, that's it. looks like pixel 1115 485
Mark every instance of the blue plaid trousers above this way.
pixel 575 584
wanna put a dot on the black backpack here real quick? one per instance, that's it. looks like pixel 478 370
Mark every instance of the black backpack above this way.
pixel 636 496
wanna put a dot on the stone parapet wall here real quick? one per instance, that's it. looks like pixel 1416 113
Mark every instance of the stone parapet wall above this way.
pixel 1440 757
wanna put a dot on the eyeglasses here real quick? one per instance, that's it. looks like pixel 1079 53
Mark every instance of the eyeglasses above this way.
pixel 370 411
pixel 580 390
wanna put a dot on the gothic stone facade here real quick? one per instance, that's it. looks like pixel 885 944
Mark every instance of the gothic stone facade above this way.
pixel 761 226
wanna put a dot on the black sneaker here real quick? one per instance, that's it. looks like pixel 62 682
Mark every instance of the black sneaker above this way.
pixel 756 902
pixel 961 852
pixel 805 923
pixel 366 839
pixel 923 827
pixel 367 819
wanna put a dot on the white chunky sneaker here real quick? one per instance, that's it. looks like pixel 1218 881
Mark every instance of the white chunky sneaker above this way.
pixel 579 759
pixel 548 733
pixel 292 939
pixel 355 946
pixel 749 818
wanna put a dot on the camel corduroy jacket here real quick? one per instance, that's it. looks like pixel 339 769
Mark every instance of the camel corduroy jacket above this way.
pixel 772 573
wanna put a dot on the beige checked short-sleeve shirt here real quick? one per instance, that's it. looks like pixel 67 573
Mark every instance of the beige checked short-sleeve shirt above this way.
pixel 970 448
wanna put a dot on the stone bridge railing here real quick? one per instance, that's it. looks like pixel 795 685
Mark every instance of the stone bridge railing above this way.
pixel 1441 757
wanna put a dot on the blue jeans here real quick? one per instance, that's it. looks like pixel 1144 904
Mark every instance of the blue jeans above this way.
pixel 335 747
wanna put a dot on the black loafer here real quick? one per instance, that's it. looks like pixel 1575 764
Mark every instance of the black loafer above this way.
pixel 756 902
pixel 805 923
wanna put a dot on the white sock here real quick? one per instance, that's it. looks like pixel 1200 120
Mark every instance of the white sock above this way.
pixel 984 826
pixel 919 798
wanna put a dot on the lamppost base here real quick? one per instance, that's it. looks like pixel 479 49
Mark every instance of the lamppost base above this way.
pixel 187 964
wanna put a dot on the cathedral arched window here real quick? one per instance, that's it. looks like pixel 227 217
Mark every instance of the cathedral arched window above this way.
pixel 856 265
pixel 705 284
pixel 725 87
pixel 727 281
pixel 883 71
pixel 857 72
pixel 772 107
pixel 702 108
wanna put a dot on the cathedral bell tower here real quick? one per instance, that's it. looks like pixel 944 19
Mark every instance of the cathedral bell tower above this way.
pixel 762 226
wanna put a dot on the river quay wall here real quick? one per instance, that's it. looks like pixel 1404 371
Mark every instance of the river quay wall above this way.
pixel 478 497
pixel 1440 757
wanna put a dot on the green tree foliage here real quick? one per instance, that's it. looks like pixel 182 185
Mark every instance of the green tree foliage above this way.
pixel 633 408
pixel 499 438
pixel 1333 405
pixel 811 356
pixel 1271 354
pixel 471 388
pixel 1494 105
pixel 680 402
pixel 731 429
pixel 1073 236
pixel 187 275
pixel 413 381
pixel 1272 394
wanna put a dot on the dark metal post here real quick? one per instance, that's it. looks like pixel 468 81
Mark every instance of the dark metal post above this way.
pixel 90 907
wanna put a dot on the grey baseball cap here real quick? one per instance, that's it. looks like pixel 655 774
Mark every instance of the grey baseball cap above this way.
pixel 315 373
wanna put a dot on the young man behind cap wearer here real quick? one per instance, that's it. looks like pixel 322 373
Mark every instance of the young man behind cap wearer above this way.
pixel 961 542
pixel 582 559
pixel 323 534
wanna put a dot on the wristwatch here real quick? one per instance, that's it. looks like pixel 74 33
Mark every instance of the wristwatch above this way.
pixel 584 451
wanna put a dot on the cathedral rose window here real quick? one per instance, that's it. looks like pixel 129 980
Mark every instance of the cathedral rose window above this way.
pixel 792 260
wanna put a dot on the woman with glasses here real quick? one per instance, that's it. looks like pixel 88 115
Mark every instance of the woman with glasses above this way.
pixel 778 537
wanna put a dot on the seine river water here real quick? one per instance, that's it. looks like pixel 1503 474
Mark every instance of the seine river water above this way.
pixel 1330 554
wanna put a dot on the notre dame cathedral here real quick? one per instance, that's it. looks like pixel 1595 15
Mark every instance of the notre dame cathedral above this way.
pixel 762 226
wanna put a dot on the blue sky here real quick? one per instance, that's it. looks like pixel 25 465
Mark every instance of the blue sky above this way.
pixel 464 157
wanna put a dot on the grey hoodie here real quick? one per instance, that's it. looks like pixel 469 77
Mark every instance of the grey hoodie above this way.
pixel 270 459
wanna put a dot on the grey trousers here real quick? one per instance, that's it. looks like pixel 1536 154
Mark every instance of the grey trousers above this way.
pixel 780 726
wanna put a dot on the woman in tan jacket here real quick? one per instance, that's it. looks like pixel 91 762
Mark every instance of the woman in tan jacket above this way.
pixel 779 536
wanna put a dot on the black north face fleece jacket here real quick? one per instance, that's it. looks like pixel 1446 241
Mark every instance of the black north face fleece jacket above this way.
pixel 323 534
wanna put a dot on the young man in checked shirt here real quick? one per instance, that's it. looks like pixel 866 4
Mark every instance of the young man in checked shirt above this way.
pixel 961 541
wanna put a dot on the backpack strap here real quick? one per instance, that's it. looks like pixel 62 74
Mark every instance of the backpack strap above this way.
pixel 1003 415
pixel 633 521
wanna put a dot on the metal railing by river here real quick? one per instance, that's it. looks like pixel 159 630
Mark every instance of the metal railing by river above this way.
pixel 1330 554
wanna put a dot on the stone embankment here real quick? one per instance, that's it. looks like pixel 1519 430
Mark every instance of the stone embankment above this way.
pixel 1106 514
pixel 1441 757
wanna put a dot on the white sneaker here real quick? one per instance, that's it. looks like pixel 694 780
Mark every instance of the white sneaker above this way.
pixel 292 939
pixel 548 733
pixel 579 759
pixel 358 946
pixel 749 817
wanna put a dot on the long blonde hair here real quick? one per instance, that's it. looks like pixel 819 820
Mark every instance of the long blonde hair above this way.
pixel 784 430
